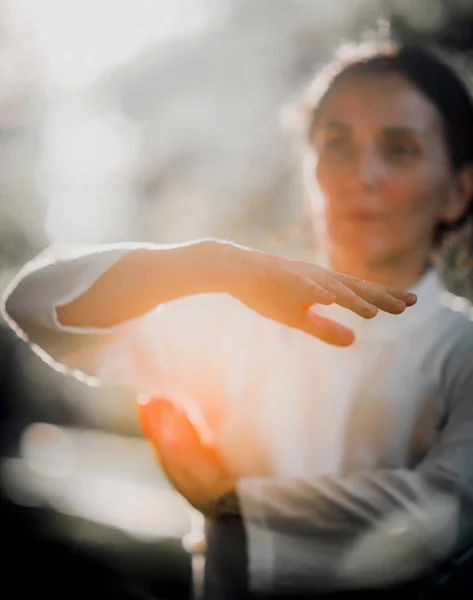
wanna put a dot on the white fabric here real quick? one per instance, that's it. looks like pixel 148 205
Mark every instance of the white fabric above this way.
pixel 279 402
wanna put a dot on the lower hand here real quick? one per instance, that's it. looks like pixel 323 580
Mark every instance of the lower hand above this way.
pixel 193 468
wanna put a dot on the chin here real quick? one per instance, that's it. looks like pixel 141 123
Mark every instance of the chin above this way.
pixel 366 255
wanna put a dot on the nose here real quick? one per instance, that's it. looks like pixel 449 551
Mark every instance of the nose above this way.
pixel 369 167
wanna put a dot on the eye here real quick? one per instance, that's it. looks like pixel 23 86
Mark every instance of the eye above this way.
pixel 399 150
pixel 339 147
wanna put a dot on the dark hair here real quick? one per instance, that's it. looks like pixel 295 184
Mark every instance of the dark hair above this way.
pixel 428 72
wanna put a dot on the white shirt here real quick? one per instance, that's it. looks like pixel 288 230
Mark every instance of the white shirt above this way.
pixel 294 418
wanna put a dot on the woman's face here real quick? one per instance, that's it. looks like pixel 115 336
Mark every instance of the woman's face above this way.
pixel 380 176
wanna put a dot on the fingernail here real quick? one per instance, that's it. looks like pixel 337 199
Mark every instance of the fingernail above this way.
pixel 143 399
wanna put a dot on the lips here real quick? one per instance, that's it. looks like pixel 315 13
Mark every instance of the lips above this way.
pixel 364 217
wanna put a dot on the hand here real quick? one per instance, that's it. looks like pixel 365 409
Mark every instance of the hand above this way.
pixel 192 467
pixel 284 290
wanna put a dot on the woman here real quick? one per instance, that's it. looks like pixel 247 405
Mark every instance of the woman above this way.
pixel 390 169
pixel 350 465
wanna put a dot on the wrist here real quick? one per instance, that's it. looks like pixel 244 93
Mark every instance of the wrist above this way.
pixel 200 267
pixel 227 505
pixel 215 266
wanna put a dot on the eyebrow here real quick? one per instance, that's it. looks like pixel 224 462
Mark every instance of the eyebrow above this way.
pixel 391 130
pixel 338 125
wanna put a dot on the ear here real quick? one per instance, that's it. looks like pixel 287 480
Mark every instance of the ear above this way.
pixel 460 195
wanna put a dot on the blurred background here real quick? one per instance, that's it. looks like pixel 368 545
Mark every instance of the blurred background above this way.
pixel 157 120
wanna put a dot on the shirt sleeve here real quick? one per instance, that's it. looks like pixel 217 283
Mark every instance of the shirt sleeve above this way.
pixel 177 350
pixel 60 274
pixel 373 529
pixel 55 277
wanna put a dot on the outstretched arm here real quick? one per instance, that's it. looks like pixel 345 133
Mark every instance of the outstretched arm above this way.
pixel 105 286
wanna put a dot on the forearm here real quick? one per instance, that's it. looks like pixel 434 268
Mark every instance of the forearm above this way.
pixel 367 531
pixel 145 278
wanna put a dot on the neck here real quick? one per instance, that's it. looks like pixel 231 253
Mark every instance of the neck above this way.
pixel 399 272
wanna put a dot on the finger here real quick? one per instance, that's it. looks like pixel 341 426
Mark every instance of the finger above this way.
pixel 376 291
pixel 383 298
pixel 148 410
pixel 149 416
pixel 327 330
pixel 295 309
pixel 177 442
pixel 142 400
pixel 317 293
pixel 157 419
pixel 345 296
pixel 348 298
pixel 313 293
pixel 408 298
pixel 162 422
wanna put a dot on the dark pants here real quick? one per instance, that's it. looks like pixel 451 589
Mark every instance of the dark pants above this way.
pixel 226 561
pixel 226 575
